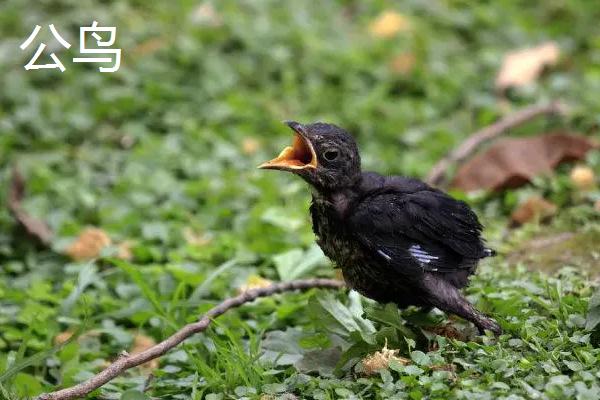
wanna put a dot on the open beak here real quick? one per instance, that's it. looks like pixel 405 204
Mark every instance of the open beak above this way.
pixel 300 155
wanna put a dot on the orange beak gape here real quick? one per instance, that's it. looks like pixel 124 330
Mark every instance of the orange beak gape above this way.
pixel 300 155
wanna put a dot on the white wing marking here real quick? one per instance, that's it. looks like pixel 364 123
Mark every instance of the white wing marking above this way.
pixel 421 255
pixel 381 253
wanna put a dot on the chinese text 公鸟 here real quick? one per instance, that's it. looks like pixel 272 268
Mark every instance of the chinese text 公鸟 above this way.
pixel 102 53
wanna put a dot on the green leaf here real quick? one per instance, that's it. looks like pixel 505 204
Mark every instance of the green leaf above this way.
pixel 323 362
pixel 38 357
pixel 317 340
pixel 297 263
pixel 593 314
pixel 355 352
pixel 87 275
pixel 26 385
pixel 330 313
pixel 413 370
pixel 420 358
pixel 389 315
pixel 280 217
pixel 203 289
pixel 283 347
pixel 133 395
pixel 573 365
pixel 142 283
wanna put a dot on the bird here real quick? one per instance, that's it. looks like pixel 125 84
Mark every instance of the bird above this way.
pixel 396 239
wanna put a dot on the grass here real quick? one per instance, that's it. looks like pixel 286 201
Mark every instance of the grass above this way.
pixel 161 155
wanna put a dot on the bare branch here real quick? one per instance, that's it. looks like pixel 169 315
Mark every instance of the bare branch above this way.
pixel 437 175
pixel 126 361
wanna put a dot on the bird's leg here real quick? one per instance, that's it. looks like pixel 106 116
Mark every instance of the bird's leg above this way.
pixel 448 298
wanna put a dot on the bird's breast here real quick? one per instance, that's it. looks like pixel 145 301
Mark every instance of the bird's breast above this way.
pixel 337 242
pixel 332 235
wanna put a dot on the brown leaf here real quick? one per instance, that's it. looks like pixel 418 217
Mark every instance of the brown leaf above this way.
pixel 63 337
pixel 403 63
pixel 250 145
pixel 143 343
pixel 124 251
pixel 524 66
pixel 388 24
pixel 68 334
pixel 535 208
pixel 254 282
pixel 195 238
pixel 282 396
pixel 510 163
pixel 36 228
pixel 450 331
pixel 379 360
pixel 583 177
pixel 205 14
pixel 88 244
pixel 149 47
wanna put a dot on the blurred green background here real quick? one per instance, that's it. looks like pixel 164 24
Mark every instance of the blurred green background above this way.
pixel 161 154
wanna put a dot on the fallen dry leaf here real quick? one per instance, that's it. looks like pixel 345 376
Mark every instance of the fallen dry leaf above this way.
pixel 524 66
pixel 68 334
pixel 283 396
pixel 63 337
pixel 88 244
pixel 437 175
pixel 250 145
pixel 379 360
pixel 535 208
pixel 143 343
pixel 450 331
pixel 149 47
pixel 403 63
pixel 388 24
pixel 34 227
pixel 583 177
pixel 124 251
pixel 254 282
pixel 205 14
pixel 126 141
pixel 195 238
pixel 513 162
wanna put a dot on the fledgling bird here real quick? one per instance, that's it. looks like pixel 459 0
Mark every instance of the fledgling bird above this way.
pixel 396 239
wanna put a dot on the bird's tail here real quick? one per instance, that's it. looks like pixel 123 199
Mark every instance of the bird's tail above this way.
pixel 489 252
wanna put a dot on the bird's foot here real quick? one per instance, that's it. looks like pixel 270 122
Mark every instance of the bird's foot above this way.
pixel 489 324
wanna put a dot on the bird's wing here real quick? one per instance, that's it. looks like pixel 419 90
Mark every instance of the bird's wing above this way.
pixel 425 229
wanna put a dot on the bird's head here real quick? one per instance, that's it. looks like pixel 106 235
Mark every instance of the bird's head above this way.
pixel 324 155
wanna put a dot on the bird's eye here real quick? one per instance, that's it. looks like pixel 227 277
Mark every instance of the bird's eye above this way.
pixel 331 155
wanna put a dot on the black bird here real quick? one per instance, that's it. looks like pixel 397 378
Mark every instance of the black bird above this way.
pixel 396 239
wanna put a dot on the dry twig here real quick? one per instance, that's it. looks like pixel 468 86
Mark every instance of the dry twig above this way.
pixel 126 361
pixel 34 227
pixel 437 175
